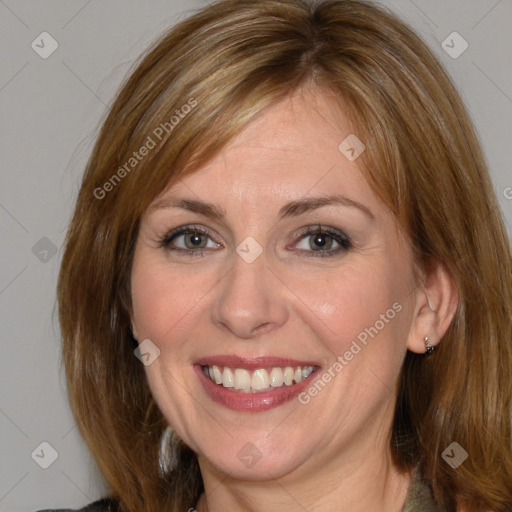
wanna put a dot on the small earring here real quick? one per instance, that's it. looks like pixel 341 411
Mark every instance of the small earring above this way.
pixel 428 347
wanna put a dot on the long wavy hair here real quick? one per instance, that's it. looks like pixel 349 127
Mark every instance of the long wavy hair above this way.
pixel 228 62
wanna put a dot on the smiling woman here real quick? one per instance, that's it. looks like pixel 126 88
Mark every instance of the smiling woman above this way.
pixel 301 297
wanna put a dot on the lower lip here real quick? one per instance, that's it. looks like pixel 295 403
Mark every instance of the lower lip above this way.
pixel 251 402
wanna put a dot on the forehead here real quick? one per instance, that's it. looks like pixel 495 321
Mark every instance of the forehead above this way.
pixel 289 151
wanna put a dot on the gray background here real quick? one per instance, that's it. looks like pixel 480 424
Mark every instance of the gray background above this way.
pixel 51 110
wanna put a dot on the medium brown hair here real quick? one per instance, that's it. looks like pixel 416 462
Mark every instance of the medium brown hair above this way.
pixel 234 59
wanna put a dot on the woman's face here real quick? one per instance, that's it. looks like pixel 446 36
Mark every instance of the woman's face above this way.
pixel 301 266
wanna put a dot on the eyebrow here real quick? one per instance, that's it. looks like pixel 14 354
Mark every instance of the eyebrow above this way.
pixel 291 209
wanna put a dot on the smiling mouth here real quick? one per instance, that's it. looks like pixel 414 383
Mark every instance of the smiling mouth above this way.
pixel 256 381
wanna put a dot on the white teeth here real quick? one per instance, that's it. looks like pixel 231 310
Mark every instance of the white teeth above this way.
pixel 242 379
pixel 306 372
pixel 276 377
pixel 227 378
pixel 261 379
pixel 217 375
pixel 288 375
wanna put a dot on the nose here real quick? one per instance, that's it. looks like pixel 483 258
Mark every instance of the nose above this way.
pixel 250 300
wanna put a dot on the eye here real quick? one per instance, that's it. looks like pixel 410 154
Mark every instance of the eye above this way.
pixel 314 241
pixel 323 242
pixel 190 239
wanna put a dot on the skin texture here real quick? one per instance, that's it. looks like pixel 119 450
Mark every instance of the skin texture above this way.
pixel 331 454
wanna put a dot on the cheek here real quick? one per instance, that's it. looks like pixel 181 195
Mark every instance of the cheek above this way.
pixel 353 302
pixel 164 302
pixel 150 304
pixel 163 296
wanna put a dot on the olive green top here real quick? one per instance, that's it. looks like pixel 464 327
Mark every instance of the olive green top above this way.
pixel 419 499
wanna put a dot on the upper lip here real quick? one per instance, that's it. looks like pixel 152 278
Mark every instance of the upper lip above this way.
pixel 252 363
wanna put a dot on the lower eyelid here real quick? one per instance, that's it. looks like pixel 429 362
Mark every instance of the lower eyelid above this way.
pixel 341 249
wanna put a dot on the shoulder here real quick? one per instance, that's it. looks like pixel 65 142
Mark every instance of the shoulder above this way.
pixel 104 505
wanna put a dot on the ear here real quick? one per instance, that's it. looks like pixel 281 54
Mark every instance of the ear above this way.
pixel 437 299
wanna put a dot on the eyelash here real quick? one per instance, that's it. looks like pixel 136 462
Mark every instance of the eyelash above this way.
pixel 341 238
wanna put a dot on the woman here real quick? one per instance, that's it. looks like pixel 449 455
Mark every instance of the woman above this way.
pixel 343 342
